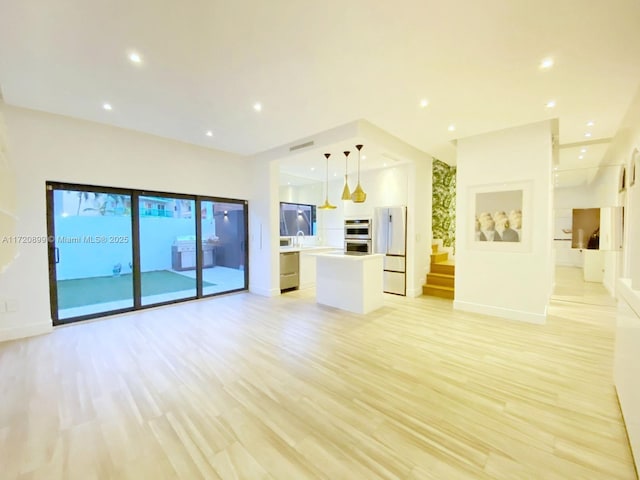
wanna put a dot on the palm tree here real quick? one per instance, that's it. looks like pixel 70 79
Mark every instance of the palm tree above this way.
pixel 81 196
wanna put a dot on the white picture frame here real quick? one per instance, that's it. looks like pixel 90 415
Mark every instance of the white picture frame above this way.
pixel 497 201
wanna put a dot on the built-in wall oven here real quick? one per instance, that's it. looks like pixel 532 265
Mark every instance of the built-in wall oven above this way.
pixel 357 247
pixel 357 228
pixel 357 236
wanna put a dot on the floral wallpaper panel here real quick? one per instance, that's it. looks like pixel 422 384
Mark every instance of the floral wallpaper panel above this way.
pixel 444 203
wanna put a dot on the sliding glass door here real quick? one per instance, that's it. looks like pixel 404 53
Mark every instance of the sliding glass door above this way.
pixel 116 250
pixel 224 253
pixel 167 226
pixel 91 254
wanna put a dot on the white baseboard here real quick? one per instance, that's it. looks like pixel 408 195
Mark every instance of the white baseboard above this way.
pixel 507 313
pixel 416 292
pixel 264 292
pixel 24 331
pixel 610 288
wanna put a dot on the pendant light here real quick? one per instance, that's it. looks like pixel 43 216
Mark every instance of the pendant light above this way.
pixel 358 195
pixel 327 205
pixel 346 194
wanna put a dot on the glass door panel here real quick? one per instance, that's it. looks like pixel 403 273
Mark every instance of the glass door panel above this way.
pixel 167 249
pixel 91 259
pixel 223 246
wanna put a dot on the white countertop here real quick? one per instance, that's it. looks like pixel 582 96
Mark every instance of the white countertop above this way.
pixel 339 254
pixel 309 248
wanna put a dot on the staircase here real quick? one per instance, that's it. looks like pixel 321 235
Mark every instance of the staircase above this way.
pixel 441 279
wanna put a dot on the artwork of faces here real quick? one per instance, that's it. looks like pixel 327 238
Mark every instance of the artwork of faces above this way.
pixel 499 216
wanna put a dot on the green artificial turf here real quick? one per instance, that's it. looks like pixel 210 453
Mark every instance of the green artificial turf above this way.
pixel 89 291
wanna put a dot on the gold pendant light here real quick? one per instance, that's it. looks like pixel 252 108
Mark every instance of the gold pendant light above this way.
pixel 346 194
pixel 358 195
pixel 327 205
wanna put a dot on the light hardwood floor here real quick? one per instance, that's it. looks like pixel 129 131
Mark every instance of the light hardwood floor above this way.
pixel 245 387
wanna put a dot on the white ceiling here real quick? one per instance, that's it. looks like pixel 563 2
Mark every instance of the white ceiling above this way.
pixel 310 165
pixel 315 65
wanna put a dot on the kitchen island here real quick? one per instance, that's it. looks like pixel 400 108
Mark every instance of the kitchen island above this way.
pixel 350 282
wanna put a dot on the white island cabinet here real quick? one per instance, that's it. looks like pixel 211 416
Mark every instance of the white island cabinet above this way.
pixel 350 282
pixel 308 265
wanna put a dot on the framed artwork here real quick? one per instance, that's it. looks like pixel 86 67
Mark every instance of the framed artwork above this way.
pixel 501 219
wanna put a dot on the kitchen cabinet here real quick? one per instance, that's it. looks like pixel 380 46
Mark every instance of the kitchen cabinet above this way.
pixel 593 268
pixel 289 270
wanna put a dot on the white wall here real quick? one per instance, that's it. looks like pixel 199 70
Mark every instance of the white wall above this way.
pixel 51 147
pixel 264 227
pixel 621 151
pixel 625 143
pixel 7 203
pixel 419 232
pixel 510 284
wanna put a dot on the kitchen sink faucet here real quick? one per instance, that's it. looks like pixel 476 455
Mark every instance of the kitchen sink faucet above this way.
pixel 298 238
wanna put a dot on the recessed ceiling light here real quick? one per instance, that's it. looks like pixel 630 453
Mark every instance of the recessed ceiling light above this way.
pixel 583 150
pixel 581 157
pixel 546 63
pixel 107 106
pixel 551 104
pixel 335 174
pixel 313 168
pixel 590 123
pixel 588 134
pixel 209 133
pixel 364 157
pixel 288 183
pixel 555 168
pixel 424 103
pixel 451 127
pixel 257 107
pixel 135 57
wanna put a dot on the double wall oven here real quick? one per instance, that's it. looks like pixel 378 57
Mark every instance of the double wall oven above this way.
pixel 357 236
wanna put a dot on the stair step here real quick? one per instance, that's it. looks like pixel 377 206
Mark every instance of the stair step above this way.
pixel 434 248
pixel 438 291
pixel 441 279
pixel 443 267
pixel 439 257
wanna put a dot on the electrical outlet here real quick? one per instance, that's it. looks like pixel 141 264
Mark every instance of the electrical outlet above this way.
pixel 11 305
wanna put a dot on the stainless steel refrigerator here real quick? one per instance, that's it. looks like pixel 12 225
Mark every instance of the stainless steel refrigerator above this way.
pixel 390 239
